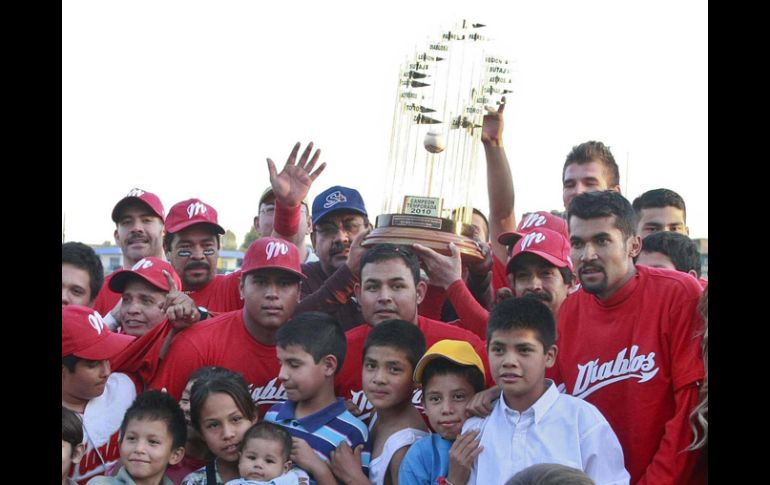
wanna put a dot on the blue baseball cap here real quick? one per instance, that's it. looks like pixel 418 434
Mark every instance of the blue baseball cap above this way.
pixel 337 198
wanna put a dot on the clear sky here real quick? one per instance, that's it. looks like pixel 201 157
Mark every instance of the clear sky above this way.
pixel 187 98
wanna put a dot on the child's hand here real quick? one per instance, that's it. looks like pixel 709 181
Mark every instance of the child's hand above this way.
pixel 481 404
pixel 346 464
pixel 303 455
pixel 462 454
pixel 352 408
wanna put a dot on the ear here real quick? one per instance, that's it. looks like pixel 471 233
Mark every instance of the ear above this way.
pixel 615 188
pixel 287 466
pixel 77 453
pixel 357 291
pixel 687 230
pixel 255 221
pixel 634 246
pixel 422 290
pixel 550 356
pixel 176 455
pixel 312 233
pixel 115 236
pixel 693 273
pixel 330 364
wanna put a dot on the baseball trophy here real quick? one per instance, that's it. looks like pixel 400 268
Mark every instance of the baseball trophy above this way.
pixel 435 138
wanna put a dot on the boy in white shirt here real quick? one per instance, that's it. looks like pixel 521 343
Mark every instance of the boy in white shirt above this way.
pixel 532 422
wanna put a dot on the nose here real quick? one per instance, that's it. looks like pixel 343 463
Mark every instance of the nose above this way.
pixel 228 431
pixel 379 376
pixel 446 407
pixel 536 284
pixel 105 368
pixel 342 235
pixel 283 374
pixel 384 295
pixel 588 253
pixel 271 291
pixel 65 297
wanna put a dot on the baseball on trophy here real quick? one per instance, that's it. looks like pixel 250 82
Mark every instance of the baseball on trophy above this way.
pixel 434 141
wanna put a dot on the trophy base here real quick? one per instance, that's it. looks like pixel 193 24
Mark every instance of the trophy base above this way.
pixel 433 232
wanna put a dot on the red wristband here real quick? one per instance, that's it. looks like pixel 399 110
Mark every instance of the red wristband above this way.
pixel 286 220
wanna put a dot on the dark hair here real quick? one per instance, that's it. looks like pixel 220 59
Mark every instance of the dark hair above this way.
pixel 550 474
pixel 605 203
pixel 71 427
pixel 272 432
pixel 398 334
pixel 659 198
pixel 386 252
pixel 682 250
pixel 443 366
pixel 84 257
pixel 223 381
pixel 157 405
pixel 168 238
pixel 523 313
pixel 70 361
pixel 317 333
pixel 590 151
pixel 474 211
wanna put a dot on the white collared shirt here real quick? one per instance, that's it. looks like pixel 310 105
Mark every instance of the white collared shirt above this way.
pixel 557 428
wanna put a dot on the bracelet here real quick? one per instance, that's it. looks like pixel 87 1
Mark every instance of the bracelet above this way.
pixel 443 481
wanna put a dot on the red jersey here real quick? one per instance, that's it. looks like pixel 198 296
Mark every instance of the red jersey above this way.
pixel 499 274
pixel 348 382
pixel 222 341
pixel 637 357
pixel 221 294
pixel 106 299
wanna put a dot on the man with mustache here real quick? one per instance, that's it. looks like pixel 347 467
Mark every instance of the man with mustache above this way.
pixel 629 341
pixel 192 246
pixel 139 218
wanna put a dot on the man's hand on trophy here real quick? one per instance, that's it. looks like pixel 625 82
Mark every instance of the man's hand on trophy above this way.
pixel 492 128
pixel 293 183
pixel 442 270
pixel 357 252
pixel 483 267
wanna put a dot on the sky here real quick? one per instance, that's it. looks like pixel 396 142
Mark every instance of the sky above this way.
pixel 188 98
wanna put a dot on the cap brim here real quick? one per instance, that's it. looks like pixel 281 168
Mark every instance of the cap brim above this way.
pixel 119 207
pixel 338 209
pixel 184 225
pixel 122 277
pixel 551 259
pixel 509 238
pixel 283 268
pixel 428 358
pixel 106 348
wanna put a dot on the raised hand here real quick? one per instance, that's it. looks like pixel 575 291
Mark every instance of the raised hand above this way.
pixel 492 128
pixel 179 308
pixel 292 185
pixel 442 270
pixel 462 454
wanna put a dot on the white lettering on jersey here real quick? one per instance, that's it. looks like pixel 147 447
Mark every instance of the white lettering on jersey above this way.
pixel 194 209
pixel 269 393
pixel 275 248
pixel 593 375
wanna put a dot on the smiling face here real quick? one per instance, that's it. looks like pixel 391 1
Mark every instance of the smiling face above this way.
pixel 603 255
pixel 263 460
pixel 387 291
pixel 585 177
pixel 387 377
pixel 222 425
pixel 518 363
pixel 140 309
pixel 139 233
pixel 445 398
pixel 146 448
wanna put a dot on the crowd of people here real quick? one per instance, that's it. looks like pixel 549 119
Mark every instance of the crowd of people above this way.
pixel 575 352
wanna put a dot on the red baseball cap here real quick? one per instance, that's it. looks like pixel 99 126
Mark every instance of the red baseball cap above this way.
pixel 535 220
pixel 549 245
pixel 191 211
pixel 270 252
pixel 152 201
pixel 84 334
pixel 148 269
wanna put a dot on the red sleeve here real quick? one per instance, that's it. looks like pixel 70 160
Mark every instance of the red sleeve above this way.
pixel 472 315
pixel 671 464
pixel 286 220
pixel 141 358
pixel 499 276
pixel 433 302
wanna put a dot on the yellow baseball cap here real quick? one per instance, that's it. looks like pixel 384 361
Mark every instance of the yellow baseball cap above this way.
pixel 458 351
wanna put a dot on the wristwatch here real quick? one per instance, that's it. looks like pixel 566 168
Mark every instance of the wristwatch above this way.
pixel 204 312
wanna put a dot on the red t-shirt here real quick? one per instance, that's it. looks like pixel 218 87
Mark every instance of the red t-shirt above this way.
pixel 637 357
pixel 222 341
pixel 348 382
pixel 499 274
pixel 106 299
pixel 222 294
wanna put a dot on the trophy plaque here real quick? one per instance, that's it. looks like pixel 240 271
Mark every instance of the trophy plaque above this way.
pixel 435 138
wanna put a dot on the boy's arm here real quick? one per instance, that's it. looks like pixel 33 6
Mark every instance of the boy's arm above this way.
pixel 413 468
pixel 395 465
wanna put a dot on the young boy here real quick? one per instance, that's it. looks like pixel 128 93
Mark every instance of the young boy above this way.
pixel 152 437
pixel 265 458
pixel 391 352
pixel 532 422
pixel 311 349
pixel 450 374
pixel 91 389
pixel 71 443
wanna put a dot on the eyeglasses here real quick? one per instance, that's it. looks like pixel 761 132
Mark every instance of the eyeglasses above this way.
pixel 350 226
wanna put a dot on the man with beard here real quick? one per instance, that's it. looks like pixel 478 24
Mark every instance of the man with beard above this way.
pixel 192 246
pixel 139 218
pixel 629 341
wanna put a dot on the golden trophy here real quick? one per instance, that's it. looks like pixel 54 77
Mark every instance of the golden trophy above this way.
pixel 435 138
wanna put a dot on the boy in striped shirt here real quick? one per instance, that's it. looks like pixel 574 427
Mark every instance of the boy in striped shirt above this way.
pixel 311 348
